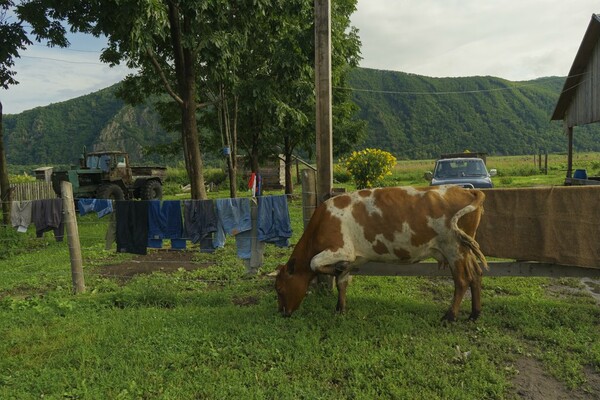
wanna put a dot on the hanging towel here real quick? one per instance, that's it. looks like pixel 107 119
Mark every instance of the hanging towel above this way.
pixel 132 226
pixel 47 215
pixel 20 215
pixel 200 222
pixel 233 218
pixel 100 206
pixel 274 220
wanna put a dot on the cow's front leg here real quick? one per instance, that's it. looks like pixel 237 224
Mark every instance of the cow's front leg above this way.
pixel 342 279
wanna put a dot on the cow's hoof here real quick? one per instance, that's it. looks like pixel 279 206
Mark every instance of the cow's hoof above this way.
pixel 449 317
pixel 474 315
pixel 340 310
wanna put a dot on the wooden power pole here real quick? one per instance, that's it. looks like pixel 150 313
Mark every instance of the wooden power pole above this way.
pixel 323 91
pixel 323 117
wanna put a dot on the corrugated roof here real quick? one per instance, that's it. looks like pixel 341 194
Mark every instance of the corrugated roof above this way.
pixel 592 34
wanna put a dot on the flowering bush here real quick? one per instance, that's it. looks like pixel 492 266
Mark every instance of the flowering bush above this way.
pixel 368 167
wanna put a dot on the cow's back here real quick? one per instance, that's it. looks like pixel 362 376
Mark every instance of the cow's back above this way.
pixel 399 223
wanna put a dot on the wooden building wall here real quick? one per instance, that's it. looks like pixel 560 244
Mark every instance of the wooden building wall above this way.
pixel 585 105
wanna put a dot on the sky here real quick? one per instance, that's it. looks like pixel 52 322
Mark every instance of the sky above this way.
pixel 511 39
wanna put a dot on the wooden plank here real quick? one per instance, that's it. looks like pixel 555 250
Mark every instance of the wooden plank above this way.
pixel 497 268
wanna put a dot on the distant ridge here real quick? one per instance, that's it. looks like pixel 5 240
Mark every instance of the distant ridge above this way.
pixel 410 115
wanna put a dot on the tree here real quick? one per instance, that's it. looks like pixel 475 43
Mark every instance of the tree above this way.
pixel 275 83
pixel 4 182
pixel 163 42
pixel 13 39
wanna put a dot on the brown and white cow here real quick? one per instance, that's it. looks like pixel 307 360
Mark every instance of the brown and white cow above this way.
pixel 400 224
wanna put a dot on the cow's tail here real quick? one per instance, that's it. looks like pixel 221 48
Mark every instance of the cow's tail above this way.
pixel 468 241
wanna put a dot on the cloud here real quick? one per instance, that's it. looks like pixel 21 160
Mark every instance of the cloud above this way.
pixel 51 75
pixel 512 39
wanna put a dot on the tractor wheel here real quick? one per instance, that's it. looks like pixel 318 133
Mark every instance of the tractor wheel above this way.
pixel 152 190
pixel 110 191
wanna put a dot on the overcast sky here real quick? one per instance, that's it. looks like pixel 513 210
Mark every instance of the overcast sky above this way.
pixel 511 39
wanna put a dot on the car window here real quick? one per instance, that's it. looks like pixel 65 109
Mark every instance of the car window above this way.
pixel 459 168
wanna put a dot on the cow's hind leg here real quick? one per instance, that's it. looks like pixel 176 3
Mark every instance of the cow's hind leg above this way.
pixel 475 293
pixel 461 283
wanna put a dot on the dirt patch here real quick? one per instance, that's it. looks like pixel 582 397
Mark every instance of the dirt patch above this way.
pixel 592 286
pixel 586 287
pixel 155 261
pixel 533 383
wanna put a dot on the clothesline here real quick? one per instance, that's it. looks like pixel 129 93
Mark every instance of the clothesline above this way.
pixel 290 196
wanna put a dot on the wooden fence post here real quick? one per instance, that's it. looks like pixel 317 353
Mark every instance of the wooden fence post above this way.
pixel 258 248
pixel 309 203
pixel 309 195
pixel 73 237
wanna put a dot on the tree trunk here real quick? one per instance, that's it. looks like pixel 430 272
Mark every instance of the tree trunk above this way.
pixel 226 130
pixel 184 59
pixel 4 183
pixel 190 137
pixel 254 156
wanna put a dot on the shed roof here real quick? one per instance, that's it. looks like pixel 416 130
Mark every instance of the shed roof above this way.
pixel 586 48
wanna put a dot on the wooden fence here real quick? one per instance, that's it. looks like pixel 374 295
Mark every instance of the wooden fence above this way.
pixel 506 267
pixel 32 191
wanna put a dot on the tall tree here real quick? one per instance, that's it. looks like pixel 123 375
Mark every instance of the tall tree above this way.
pixel 13 40
pixel 4 182
pixel 282 72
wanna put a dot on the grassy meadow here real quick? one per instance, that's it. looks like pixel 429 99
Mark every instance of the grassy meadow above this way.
pixel 212 333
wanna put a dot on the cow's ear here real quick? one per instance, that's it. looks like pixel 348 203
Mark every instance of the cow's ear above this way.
pixel 290 266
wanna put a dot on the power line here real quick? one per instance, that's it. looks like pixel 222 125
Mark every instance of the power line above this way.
pixel 65 61
pixel 70 49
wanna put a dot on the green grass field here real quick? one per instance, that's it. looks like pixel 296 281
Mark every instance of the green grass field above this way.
pixel 210 333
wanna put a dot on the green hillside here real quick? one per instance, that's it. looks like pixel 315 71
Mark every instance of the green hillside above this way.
pixel 56 134
pixel 409 115
pixel 419 117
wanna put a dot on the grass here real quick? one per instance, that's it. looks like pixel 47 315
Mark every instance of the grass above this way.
pixel 212 334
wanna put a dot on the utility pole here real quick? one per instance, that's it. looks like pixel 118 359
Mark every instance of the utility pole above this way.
pixel 323 117
pixel 323 91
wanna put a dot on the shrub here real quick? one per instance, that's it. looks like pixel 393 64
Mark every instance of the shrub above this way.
pixel 12 242
pixel 214 176
pixel 341 174
pixel 24 178
pixel 368 167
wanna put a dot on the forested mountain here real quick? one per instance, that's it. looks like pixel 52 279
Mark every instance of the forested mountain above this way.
pixel 56 134
pixel 419 117
pixel 409 115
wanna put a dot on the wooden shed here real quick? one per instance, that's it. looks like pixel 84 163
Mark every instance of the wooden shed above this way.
pixel 579 101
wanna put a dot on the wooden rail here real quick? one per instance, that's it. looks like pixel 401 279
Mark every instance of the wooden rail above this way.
pixel 497 268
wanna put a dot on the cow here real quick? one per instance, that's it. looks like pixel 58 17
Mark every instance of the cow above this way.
pixel 394 224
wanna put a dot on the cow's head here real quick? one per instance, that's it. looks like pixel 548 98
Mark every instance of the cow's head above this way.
pixel 291 287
